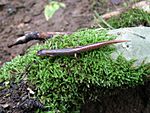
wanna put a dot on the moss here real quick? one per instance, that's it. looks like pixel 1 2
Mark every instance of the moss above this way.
pixel 62 83
pixel 131 18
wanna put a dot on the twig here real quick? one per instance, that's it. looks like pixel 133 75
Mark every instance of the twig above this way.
pixel 36 36
pixel 101 19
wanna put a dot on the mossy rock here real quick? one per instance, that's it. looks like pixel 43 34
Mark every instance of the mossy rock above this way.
pixel 62 83
pixel 131 18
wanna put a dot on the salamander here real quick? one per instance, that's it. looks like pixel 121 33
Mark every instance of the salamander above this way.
pixel 72 51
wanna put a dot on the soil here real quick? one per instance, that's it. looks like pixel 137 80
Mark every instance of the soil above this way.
pixel 20 16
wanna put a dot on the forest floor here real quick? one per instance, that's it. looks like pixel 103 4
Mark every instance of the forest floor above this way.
pixel 20 16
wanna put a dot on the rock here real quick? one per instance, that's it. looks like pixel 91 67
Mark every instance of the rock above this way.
pixel 27 19
pixel 143 5
pixel 18 18
pixel 2 110
pixel 29 4
pixel 11 10
pixel 20 33
pixel 139 46
pixel 1 29
pixel 18 4
pixel 3 2
pixel 7 30
pixel 21 25
pixel 37 10
pixel 116 2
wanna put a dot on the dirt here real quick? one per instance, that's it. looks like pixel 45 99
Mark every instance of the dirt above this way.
pixel 125 100
pixel 17 99
pixel 20 16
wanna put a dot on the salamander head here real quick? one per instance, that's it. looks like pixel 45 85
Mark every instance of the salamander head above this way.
pixel 43 53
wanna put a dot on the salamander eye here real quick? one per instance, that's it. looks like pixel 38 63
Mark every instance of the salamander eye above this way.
pixel 40 53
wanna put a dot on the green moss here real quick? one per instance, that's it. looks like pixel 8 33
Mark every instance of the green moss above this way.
pixel 131 18
pixel 62 83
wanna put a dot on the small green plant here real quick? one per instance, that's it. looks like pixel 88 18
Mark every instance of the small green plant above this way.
pixel 51 8
pixel 63 83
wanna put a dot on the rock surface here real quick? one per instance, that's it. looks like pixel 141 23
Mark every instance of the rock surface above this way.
pixel 138 46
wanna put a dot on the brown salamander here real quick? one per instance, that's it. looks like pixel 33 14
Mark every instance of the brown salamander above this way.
pixel 72 51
